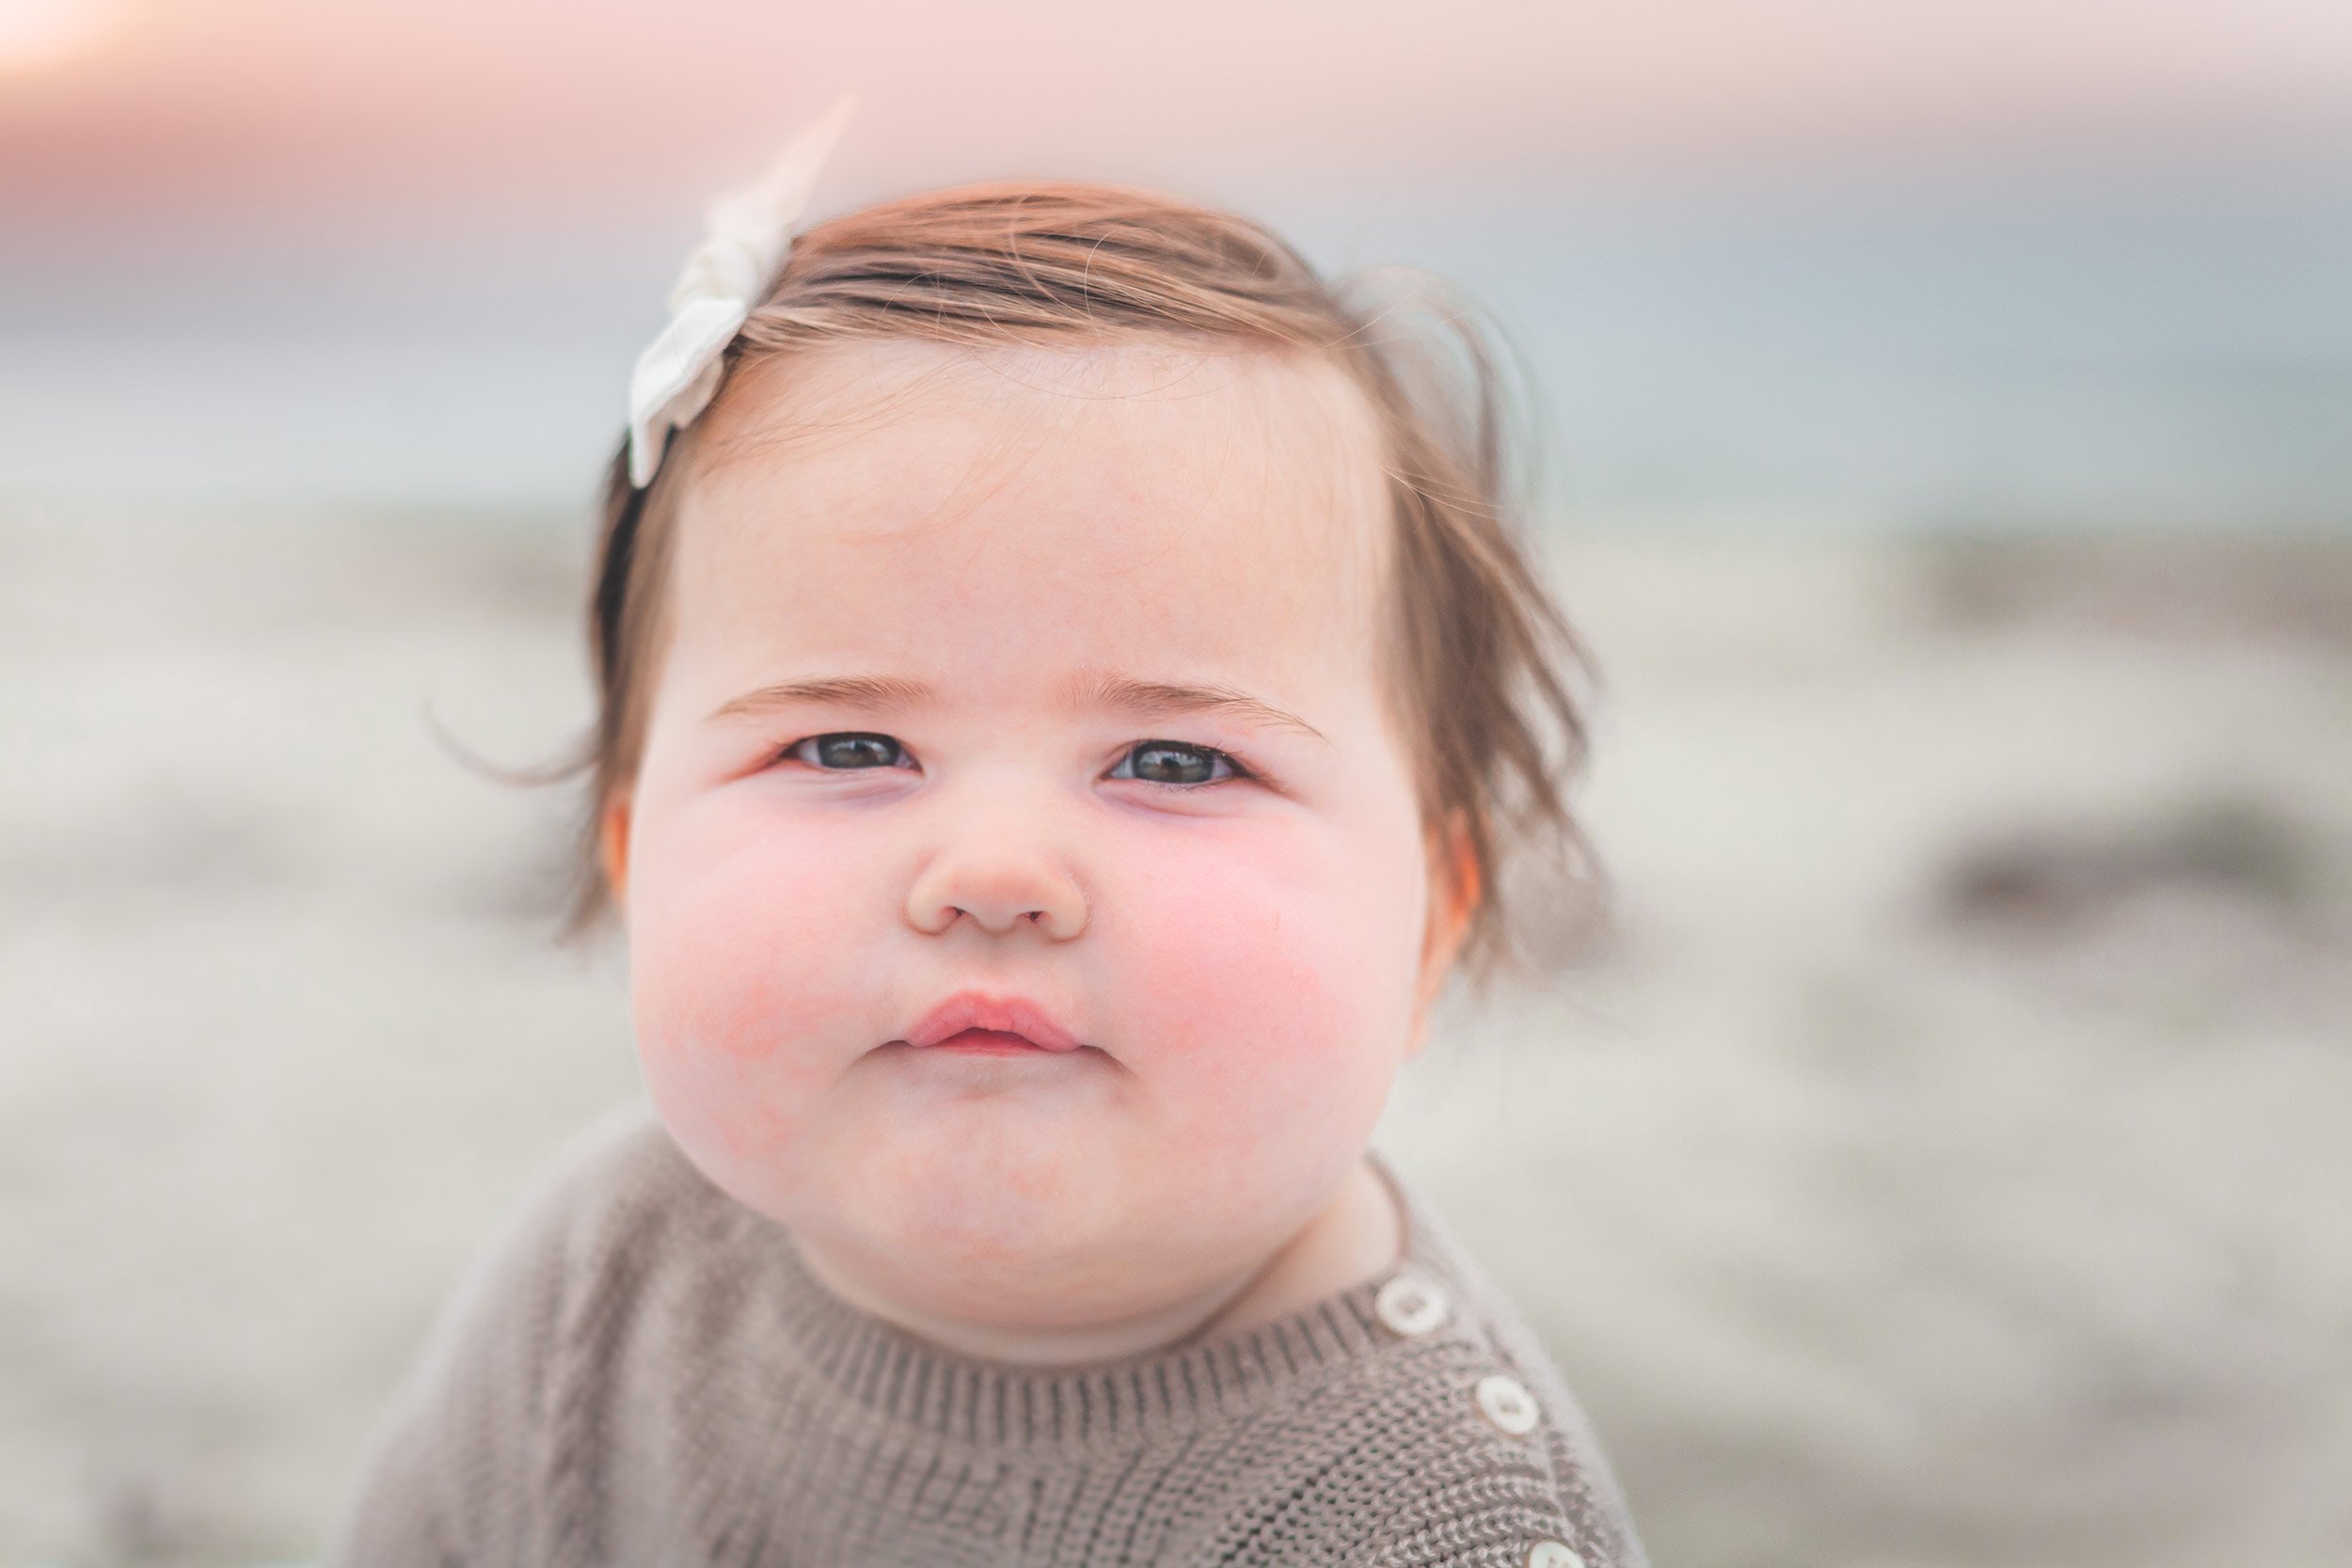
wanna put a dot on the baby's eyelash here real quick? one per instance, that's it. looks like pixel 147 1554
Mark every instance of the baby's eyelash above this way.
pixel 1166 756
pixel 847 751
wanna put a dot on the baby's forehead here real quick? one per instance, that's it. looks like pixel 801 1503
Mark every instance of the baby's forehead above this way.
pixel 1222 501
pixel 1215 427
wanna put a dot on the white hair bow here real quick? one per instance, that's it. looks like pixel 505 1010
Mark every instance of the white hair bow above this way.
pixel 749 233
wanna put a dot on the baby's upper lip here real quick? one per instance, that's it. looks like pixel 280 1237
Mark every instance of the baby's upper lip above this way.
pixel 1010 1015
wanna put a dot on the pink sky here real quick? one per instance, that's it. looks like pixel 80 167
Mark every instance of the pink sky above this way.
pixel 242 106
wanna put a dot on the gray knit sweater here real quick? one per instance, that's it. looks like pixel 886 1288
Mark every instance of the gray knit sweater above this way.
pixel 642 1371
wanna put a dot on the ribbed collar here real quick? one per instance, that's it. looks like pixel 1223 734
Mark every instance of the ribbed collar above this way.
pixel 905 1380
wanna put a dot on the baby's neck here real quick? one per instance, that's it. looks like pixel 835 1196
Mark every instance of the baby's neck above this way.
pixel 1357 1237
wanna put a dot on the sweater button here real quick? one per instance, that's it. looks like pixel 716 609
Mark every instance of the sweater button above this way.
pixel 1410 1305
pixel 1552 1554
pixel 1506 1402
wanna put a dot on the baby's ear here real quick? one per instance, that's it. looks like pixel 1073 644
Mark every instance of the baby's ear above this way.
pixel 613 846
pixel 1456 890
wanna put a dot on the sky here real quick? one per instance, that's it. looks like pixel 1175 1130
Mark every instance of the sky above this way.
pixel 446 105
pixel 2073 258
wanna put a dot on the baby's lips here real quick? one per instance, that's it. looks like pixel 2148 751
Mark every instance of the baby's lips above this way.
pixel 1009 1015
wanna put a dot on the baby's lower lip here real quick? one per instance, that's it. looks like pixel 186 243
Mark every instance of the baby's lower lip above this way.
pixel 988 1042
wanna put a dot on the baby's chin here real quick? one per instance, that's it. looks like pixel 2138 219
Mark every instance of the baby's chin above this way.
pixel 1014 1221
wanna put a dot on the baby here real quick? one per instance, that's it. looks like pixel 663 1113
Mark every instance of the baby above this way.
pixel 1068 691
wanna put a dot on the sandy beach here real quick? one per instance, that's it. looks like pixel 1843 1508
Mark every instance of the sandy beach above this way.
pixel 1940 1156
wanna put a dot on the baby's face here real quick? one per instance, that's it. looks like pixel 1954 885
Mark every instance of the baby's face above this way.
pixel 1027 893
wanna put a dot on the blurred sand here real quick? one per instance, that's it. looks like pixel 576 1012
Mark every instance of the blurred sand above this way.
pixel 1945 1161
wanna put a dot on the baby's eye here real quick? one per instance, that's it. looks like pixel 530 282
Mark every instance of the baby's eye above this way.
pixel 1172 762
pixel 848 749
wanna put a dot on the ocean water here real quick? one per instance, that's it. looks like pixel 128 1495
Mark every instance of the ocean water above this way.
pixel 2103 350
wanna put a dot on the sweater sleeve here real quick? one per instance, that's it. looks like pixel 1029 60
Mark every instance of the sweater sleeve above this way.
pixel 1473 1490
pixel 451 1475
pixel 1496 1504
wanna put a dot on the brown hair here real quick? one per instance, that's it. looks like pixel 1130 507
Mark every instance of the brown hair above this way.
pixel 1483 663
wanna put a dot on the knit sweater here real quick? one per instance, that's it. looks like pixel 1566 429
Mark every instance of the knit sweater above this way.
pixel 642 1371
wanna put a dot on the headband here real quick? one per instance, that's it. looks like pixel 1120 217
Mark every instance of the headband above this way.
pixel 748 235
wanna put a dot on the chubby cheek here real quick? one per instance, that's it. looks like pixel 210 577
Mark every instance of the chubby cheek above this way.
pixel 1268 981
pixel 747 982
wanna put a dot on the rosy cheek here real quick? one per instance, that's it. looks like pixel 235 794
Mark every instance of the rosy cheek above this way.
pixel 744 935
pixel 1262 978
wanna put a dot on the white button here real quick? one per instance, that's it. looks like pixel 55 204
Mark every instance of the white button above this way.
pixel 1552 1554
pixel 1505 1401
pixel 1411 1304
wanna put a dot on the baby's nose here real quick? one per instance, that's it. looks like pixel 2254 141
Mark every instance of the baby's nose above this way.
pixel 998 888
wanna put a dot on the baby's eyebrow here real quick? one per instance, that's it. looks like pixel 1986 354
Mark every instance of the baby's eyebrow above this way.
pixel 885 693
pixel 1127 695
